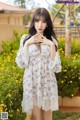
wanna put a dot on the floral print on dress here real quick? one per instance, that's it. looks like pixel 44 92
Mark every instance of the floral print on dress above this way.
pixel 39 80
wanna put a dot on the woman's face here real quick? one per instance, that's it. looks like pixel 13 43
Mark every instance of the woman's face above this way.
pixel 40 24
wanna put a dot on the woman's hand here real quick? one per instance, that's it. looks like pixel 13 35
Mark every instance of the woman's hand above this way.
pixel 44 40
pixel 34 39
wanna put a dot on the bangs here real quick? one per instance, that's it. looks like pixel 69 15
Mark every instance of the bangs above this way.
pixel 40 17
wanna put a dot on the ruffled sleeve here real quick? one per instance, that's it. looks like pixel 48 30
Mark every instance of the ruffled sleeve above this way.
pixel 22 57
pixel 56 64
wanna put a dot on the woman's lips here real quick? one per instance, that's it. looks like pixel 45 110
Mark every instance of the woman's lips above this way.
pixel 40 29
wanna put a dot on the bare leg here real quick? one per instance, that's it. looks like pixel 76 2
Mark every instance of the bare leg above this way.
pixel 47 115
pixel 36 113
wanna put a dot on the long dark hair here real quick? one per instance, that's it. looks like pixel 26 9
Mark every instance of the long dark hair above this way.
pixel 48 32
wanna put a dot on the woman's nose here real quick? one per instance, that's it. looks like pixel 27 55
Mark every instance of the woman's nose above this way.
pixel 40 24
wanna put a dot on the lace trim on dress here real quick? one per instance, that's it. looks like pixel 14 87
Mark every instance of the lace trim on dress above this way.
pixel 45 104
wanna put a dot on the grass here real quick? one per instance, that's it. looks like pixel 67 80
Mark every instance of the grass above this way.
pixel 56 116
pixel 66 116
pixel 59 116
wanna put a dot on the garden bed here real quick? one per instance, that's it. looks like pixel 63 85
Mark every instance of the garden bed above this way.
pixel 69 104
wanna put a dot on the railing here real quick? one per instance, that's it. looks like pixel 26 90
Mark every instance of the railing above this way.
pixel 60 32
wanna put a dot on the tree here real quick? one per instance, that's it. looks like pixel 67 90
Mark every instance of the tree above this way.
pixel 20 3
pixel 70 11
pixel 55 8
pixel 28 4
pixel 68 31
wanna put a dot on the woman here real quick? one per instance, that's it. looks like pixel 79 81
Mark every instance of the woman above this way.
pixel 38 54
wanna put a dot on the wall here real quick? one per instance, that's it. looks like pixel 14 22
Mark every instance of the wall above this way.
pixel 6 31
pixel 11 18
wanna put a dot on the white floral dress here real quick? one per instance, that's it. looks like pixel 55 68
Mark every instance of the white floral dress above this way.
pixel 39 80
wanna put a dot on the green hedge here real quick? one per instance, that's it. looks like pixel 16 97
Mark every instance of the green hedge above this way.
pixel 11 77
pixel 69 78
pixel 11 81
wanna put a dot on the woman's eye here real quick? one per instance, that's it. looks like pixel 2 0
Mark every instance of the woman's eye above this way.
pixel 44 21
pixel 36 20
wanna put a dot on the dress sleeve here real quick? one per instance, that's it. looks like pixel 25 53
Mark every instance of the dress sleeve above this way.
pixel 22 57
pixel 56 64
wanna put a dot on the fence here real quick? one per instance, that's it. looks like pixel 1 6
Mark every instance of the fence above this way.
pixel 60 32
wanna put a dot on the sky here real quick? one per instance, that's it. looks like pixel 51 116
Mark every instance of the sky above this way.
pixel 40 3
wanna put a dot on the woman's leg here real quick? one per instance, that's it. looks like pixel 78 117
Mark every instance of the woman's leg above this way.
pixel 36 113
pixel 47 115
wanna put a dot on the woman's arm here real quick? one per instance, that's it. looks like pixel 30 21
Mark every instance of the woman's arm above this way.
pixel 53 51
pixel 46 41
pixel 22 57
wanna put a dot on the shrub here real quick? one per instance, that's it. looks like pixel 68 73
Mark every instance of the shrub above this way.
pixel 10 87
pixel 11 81
pixel 69 78
pixel 75 46
pixel 12 45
